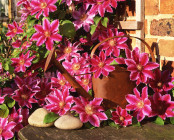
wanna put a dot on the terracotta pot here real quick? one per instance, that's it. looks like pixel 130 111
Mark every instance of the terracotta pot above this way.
pixel 114 87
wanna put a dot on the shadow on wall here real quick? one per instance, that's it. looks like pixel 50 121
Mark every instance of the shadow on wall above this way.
pixel 166 65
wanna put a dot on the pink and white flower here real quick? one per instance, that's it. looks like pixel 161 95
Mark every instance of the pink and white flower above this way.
pixel 90 110
pixel 14 29
pixel 100 6
pixel 114 45
pixel 23 45
pixel 26 10
pixel 140 67
pixel 59 102
pixel 24 97
pixel 83 18
pixel 162 106
pixel 76 66
pixel 22 62
pixel 16 117
pixel 101 65
pixel 47 34
pixel 60 82
pixel 162 81
pixel 121 117
pixel 6 129
pixel 69 50
pixel 85 80
pixel 140 104
pixel 45 89
pixel 21 2
pixel 43 6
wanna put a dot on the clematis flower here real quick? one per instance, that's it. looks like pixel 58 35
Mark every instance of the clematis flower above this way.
pixel 30 82
pixel 16 117
pixel 68 50
pixel 23 45
pixel 26 10
pixel 85 80
pixel 2 96
pixel 100 31
pixel 140 67
pixel 45 89
pixel 6 129
pixel 112 46
pixel 59 102
pixel 140 104
pixel 14 29
pixel 21 2
pixel 83 18
pixel 121 117
pixel 162 106
pixel 76 66
pixel 43 6
pixel 100 6
pixel 24 97
pixel 47 34
pixel 162 81
pixel 101 65
pixel 22 62
pixel 60 82
pixel 90 110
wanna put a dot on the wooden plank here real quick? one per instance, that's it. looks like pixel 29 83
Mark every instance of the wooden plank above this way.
pixel 129 25
pixel 140 17
pixel 148 131
pixel 10 9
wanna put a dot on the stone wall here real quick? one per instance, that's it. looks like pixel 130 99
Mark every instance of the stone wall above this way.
pixel 159 29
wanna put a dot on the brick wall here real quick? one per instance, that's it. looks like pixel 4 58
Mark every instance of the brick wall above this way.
pixel 159 29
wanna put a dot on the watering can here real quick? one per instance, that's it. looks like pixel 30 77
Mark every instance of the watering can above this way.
pixel 112 88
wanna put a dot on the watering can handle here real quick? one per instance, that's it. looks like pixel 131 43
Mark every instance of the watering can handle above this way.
pixel 151 53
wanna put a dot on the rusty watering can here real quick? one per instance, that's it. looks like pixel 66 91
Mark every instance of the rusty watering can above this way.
pixel 112 88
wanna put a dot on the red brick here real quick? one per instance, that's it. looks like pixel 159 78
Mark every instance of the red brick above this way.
pixel 166 48
pixel 162 27
pixel 168 65
pixel 151 7
pixel 167 6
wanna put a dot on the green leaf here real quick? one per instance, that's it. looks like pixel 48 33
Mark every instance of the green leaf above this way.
pixel 67 29
pixel 135 122
pixel 114 63
pixel 50 117
pixel 172 120
pixel 108 113
pixel 93 28
pixel 10 102
pixel 90 92
pixel 112 124
pixel 159 121
pixel 97 20
pixel 104 22
pixel 4 111
pixel 16 53
pixel 89 126
pixel 46 54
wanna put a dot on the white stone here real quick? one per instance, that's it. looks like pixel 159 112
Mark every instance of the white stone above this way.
pixel 37 118
pixel 68 122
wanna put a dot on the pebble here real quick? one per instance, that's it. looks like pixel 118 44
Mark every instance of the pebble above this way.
pixel 37 117
pixel 68 122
